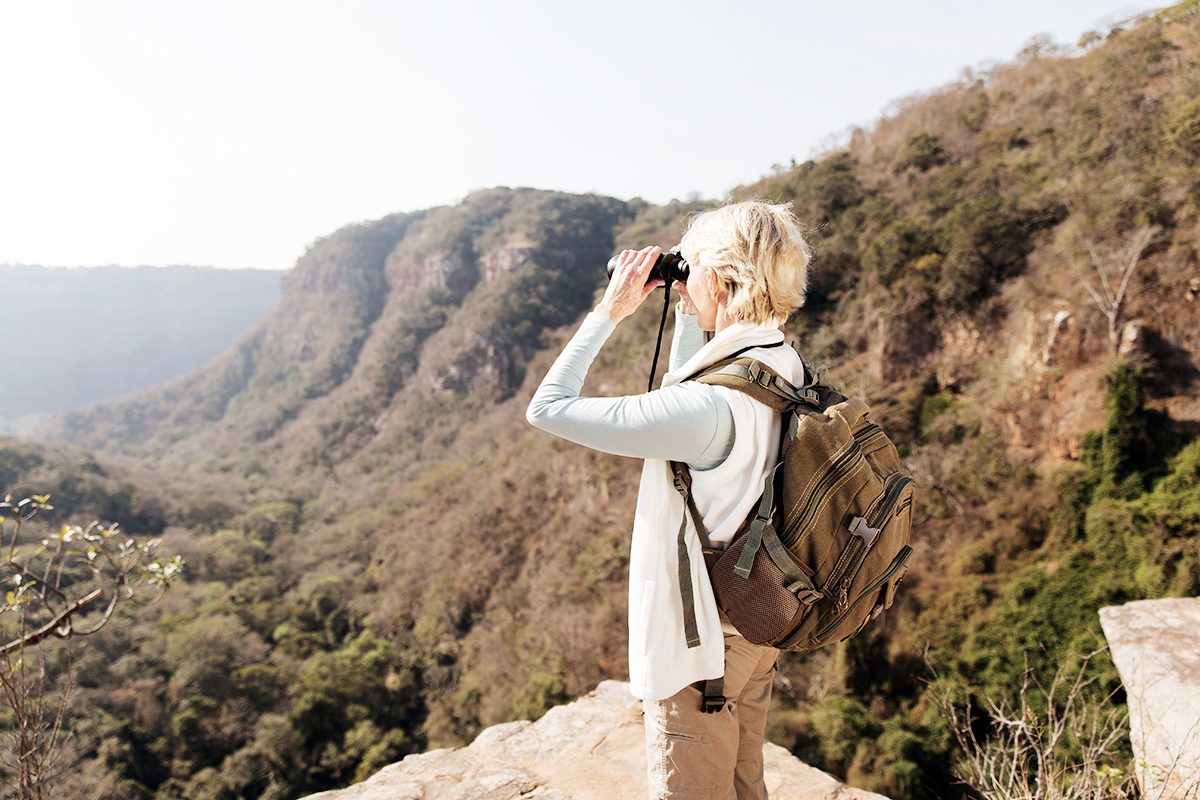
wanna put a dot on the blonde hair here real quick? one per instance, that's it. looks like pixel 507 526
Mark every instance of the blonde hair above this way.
pixel 758 255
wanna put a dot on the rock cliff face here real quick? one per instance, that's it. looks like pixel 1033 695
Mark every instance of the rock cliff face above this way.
pixel 1156 647
pixel 591 749
pixel 377 316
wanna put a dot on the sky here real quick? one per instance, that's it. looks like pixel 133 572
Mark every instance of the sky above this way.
pixel 234 134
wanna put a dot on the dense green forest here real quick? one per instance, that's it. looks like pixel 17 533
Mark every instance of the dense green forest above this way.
pixel 383 557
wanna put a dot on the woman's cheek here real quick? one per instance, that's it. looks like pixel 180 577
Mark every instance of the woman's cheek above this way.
pixel 696 292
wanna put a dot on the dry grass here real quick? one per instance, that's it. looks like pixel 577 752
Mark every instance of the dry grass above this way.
pixel 1026 755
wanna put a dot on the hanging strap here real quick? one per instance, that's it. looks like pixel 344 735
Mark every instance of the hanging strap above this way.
pixel 762 534
pixel 712 690
pixel 683 485
pixel 762 520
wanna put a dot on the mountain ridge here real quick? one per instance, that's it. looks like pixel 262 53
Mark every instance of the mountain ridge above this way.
pixel 372 286
pixel 87 334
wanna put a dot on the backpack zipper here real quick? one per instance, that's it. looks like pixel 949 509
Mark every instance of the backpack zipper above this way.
pixel 897 562
pixel 835 473
pixel 853 555
pixel 842 564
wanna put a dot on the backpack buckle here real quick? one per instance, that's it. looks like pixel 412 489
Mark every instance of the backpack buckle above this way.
pixel 805 593
pixel 712 694
pixel 682 480
pixel 859 527
pixel 759 375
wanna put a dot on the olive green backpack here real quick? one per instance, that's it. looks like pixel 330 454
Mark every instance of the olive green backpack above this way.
pixel 827 545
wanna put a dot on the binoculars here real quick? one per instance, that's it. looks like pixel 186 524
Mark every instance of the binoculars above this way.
pixel 669 266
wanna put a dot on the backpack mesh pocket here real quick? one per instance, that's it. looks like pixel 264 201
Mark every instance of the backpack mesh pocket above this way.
pixel 760 607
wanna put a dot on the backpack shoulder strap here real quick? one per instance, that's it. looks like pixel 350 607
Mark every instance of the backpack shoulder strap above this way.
pixel 756 379
pixel 729 359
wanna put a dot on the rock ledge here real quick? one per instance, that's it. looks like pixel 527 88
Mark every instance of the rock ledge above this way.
pixel 590 749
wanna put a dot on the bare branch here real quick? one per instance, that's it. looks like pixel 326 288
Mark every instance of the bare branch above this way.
pixel 1023 758
pixel 1122 262
pixel 33 637
pixel 1100 303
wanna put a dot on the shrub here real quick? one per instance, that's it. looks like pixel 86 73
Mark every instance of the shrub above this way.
pixel 922 152
pixel 1183 128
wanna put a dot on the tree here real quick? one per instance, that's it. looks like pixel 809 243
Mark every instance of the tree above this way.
pixel 55 585
pixel 1041 45
pixel 1088 39
pixel 1109 274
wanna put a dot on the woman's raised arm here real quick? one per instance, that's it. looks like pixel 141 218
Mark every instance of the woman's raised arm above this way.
pixel 686 422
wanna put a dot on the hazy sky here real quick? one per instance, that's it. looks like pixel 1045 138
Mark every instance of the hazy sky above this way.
pixel 235 133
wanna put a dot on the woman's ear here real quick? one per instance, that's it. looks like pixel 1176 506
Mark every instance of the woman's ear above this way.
pixel 714 287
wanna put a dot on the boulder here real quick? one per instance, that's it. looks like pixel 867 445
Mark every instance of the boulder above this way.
pixel 590 749
pixel 1155 645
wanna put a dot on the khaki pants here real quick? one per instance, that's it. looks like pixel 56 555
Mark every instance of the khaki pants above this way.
pixel 690 754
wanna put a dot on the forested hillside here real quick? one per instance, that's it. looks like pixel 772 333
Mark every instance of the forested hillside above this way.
pixel 407 561
pixel 84 335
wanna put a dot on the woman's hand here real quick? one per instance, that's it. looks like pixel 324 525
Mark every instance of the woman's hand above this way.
pixel 685 300
pixel 628 287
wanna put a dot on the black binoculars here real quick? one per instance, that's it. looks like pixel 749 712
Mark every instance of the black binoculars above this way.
pixel 669 266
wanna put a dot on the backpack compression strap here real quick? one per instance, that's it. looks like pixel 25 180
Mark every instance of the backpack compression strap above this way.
pixel 762 534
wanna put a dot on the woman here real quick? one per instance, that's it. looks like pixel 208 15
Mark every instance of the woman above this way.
pixel 749 265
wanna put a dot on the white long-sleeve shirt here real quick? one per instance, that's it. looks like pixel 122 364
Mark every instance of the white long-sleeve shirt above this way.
pixel 687 422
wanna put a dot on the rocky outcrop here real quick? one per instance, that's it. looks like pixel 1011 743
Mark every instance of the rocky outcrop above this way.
pixel 591 749
pixel 1156 647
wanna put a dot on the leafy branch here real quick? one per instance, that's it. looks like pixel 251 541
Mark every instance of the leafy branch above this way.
pixel 55 583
